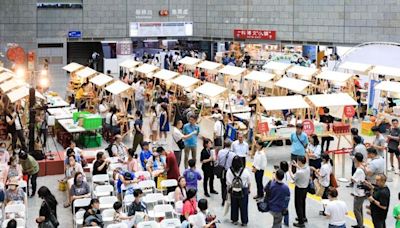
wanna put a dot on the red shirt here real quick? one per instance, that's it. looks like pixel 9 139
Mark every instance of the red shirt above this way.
pixel 190 206
pixel 172 166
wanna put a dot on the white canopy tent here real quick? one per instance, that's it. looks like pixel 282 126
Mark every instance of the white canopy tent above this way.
pixel 5 76
pixel 277 67
pixel 283 103
pixel 331 100
pixel 21 93
pixel 101 79
pixel 86 72
pixel 211 66
pixel 305 73
pixel 387 71
pixel 146 68
pixel 129 64
pixel 189 61
pixel 165 74
pixel 334 76
pixel 72 67
pixel 259 76
pixel 210 90
pixel 388 86
pixel 295 85
pixel 356 67
pixel 118 87
pixel 11 84
pixel 185 82
pixel 232 71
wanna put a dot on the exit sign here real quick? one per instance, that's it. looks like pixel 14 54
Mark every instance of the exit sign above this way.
pixel 74 34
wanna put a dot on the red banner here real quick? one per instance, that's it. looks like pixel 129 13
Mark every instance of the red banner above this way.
pixel 254 34
pixel 349 111
pixel 263 128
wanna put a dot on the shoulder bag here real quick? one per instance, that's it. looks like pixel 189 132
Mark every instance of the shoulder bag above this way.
pixel 263 205
pixel 219 169
pixel 180 142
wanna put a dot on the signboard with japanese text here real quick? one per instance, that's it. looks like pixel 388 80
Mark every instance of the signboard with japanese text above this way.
pixel 308 127
pixel 254 34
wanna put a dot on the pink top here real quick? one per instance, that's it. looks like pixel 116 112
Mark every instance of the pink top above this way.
pixel 4 157
pixel 133 165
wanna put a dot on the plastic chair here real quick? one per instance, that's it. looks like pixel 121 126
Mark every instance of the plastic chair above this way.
pixel 169 183
pixel 146 174
pixel 20 223
pixel 78 219
pixel 148 224
pixel 153 198
pixel 80 203
pixel 160 211
pixel 22 184
pixel 147 186
pixel 170 198
pixel 108 215
pixel 18 209
pixel 118 225
pixel 107 201
pixel 100 179
pixel 170 223
pixel 128 199
pixel 103 190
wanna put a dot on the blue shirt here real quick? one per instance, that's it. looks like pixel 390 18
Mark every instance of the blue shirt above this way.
pixel 77 159
pixel 191 177
pixel 119 182
pixel 298 145
pixel 279 196
pixel 187 129
pixel 145 155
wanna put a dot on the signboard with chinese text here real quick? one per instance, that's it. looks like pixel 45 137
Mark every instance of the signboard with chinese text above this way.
pixel 263 128
pixel 254 34
pixel 308 127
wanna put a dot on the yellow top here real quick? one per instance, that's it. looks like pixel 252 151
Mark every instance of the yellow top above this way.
pixel 79 94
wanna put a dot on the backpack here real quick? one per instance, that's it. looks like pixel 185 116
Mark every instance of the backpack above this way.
pixel 237 185
pixel 109 149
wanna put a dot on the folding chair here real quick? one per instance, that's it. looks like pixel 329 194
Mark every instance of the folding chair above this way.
pixel 78 218
pixel 160 211
pixel 17 209
pixel 118 225
pixel 80 203
pixel 103 190
pixel 22 184
pixel 168 183
pixel 148 224
pixel 100 179
pixel 128 199
pixel 108 215
pixel 107 201
pixel 145 174
pixel 20 223
pixel 170 223
pixel 153 198
pixel 147 186
pixel 170 198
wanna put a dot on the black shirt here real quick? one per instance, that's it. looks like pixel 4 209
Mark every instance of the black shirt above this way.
pixel 382 195
pixel 327 119
pixel 141 207
pixel 96 165
pixel 206 154
pixel 45 209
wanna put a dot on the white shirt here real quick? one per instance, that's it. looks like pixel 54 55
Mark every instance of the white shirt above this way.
pixel 325 172
pixel 18 125
pixel 260 160
pixel 139 93
pixel 103 110
pixel 218 129
pixel 176 136
pixel 246 177
pixel 114 119
pixel 120 150
pixel 337 210
pixel 240 149
pixel 316 150
pixel 358 177
pixel 199 220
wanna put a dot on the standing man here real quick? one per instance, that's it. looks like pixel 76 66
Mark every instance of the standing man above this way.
pixel 299 141
pixel 219 131
pixel 14 126
pixel 301 180
pixel 393 144
pixel 171 167
pixel 30 167
pixel 358 179
pixel 375 166
pixel 139 97
pixel 380 201
pixel 241 148
pixel 224 159
pixel 278 199
pixel 336 210
pixel 191 142
pixel 379 142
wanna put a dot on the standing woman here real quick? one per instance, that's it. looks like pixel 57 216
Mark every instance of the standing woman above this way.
pixel 259 165
pixel 154 123
pixel 177 140
pixel 164 122
pixel 138 125
pixel 239 197
pixel 48 208
pixel 314 152
pixel 324 178
pixel 207 161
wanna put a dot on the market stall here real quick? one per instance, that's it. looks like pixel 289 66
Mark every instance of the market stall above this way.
pixel 210 67
pixel 388 89
pixel 187 83
pixel 277 68
pixel 146 70
pixel 85 73
pixel 4 76
pixel 100 81
pixel 73 67
pixel 356 68
pixel 232 73
pixel 269 131
pixel 303 73
pixel 128 65
pixel 343 81
pixel 190 63
pixel 21 93
pixel 257 79
pixel 9 85
pixel 286 85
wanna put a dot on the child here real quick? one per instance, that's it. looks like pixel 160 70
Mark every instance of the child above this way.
pixel 119 216
pixel 191 175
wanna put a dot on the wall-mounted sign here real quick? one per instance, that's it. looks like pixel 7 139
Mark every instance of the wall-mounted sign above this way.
pixel 143 14
pixel 163 12
pixel 74 34
pixel 158 29
pixel 254 34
